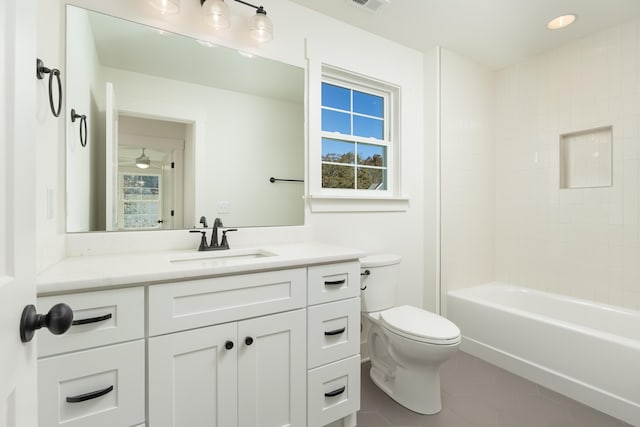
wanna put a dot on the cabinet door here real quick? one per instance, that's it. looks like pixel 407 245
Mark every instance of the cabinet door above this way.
pixel 272 370
pixel 192 378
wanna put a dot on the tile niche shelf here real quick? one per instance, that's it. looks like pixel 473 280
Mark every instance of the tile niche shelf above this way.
pixel 586 158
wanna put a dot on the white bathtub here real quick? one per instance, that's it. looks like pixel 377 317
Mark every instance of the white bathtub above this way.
pixel 587 351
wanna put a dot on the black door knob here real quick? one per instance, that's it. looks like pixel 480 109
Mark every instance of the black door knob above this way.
pixel 58 320
pixel 228 345
pixel 248 340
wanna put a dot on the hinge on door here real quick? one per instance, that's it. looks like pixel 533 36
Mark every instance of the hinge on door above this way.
pixel 173 165
pixel 173 212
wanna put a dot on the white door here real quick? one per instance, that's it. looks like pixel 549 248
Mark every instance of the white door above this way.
pixel 17 209
pixel 111 168
pixel 192 378
pixel 168 192
pixel 272 371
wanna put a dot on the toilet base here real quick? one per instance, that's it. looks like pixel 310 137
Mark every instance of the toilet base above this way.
pixel 418 392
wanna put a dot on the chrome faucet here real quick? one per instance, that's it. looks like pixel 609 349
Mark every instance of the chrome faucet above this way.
pixel 214 246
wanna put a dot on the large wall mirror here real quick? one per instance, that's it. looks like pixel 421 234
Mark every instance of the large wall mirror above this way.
pixel 176 129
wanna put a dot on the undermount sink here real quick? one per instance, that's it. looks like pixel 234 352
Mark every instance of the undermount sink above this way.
pixel 222 256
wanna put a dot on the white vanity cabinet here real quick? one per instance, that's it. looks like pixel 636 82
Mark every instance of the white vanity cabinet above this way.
pixel 248 373
pixel 248 349
pixel 94 375
pixel 333 341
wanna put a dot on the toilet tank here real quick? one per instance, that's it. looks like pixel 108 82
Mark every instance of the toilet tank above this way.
pixel 379 286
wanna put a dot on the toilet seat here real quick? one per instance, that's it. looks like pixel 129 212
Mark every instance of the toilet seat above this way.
pixel 420 325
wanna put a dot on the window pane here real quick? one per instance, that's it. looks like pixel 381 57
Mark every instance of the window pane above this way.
pixel 335 176
pixel 336 97
pixel 367 127
pixel 131 193
pixel 335 121
pixel 371 105
pixel 372 179
pixel 372 155
pixel 338 151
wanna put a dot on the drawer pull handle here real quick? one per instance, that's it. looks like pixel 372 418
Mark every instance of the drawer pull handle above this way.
pixel 248 340
pixel 335 392
pixel 228 345
pixel 334 282
pixel 92 320
pixel 335 331
pixel 88 396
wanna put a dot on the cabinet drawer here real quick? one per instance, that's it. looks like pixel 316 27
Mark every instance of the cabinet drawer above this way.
pixel 102 317
pixel 75 376
pixel 334 331
pixel 333 282
pixel 333 391
pixel 196 303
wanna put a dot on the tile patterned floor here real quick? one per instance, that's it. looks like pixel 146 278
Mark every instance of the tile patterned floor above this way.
pixel 477 394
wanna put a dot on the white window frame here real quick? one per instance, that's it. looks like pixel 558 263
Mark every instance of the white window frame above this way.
pixel 343 199
pixel 385 142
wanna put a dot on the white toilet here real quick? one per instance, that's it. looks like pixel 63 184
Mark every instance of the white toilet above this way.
pixel 406 344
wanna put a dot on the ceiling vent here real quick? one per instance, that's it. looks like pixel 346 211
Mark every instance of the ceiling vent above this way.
pixel 372 5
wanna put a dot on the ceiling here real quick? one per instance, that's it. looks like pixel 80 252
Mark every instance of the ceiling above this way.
pixel 496 33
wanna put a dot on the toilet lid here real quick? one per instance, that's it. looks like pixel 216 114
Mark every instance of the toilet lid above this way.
pixel 420 325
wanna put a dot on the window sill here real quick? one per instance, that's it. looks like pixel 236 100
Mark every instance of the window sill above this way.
pixel 324 203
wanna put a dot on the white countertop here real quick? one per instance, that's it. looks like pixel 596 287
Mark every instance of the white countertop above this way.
pixel 105 271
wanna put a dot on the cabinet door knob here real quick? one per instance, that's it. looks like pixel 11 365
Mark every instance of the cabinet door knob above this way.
pixel 228 345
pixel 248 340
pixel 58 320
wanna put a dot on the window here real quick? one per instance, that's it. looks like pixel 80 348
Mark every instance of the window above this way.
pixel 356 142
pixel 140 201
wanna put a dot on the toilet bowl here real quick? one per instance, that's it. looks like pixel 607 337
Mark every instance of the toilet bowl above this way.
pixel 406 344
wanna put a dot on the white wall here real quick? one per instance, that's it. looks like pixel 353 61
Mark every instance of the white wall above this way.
pixel 467 173
pixel 50 133
pixel 431 121
pixel 579 242
pixel 300 34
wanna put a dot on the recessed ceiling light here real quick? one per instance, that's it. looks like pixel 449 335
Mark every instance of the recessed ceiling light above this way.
pixel 561 22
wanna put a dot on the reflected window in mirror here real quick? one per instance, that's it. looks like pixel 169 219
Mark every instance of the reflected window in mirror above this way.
pixel 140 201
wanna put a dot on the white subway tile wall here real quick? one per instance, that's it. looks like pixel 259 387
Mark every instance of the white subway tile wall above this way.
pixel 583 242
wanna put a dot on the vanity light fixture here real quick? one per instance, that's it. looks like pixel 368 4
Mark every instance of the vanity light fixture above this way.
pixel 561 22
pixel 143 162
pixel 217 15
pixel 166 7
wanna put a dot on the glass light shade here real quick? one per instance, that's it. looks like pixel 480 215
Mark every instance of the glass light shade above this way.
pixel 561 22
pixel 260 27
pixel 216 14
pixel 166 7
pixel 143 162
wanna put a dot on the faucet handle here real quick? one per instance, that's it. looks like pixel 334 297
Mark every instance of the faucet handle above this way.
pixel 203 221
pixel 203 239
pixel 225 242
